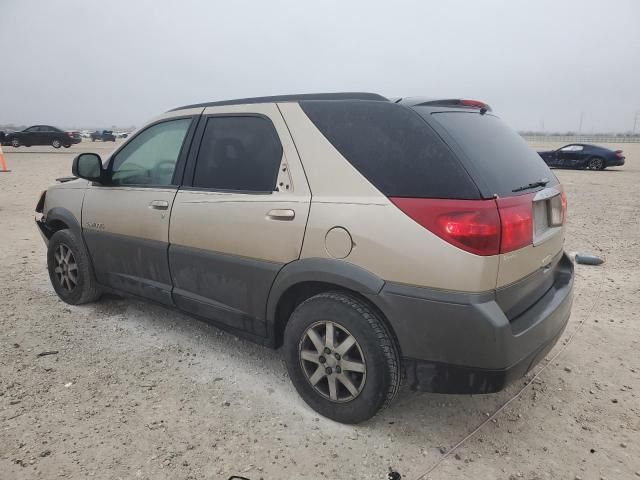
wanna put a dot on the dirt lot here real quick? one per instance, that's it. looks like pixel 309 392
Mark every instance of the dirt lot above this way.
pixel 138 391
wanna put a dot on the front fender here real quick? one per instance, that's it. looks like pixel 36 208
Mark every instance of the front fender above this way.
pixel 61 214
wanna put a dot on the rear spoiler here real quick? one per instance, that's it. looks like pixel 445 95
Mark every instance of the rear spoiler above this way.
pixel 457 102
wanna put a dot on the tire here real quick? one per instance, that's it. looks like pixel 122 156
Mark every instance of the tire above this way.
pixel 596 163
pixel 15 143
pixel 66 145
pixel 56 143
pixel 76 289
pixel 371 365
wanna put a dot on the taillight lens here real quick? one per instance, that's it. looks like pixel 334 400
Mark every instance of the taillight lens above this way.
pixel 565 205
pixel 618 153
pixel 516 217
pixel 482 227
pixel 472 225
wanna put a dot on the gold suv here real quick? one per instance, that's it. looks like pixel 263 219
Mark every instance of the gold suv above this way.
pixel 373 240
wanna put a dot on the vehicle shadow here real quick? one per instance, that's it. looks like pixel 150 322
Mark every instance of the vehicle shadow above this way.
pixel 414 417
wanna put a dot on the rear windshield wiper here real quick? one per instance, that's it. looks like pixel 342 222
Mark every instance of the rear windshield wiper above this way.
pixel 538 183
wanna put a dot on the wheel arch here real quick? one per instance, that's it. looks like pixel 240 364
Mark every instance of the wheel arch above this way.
pixel 302 279
pixel 59 218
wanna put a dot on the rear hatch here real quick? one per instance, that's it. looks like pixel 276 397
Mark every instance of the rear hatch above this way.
pixel 505 168
pixel 465 176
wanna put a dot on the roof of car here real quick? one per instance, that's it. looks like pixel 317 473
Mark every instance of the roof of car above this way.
pixel 290 98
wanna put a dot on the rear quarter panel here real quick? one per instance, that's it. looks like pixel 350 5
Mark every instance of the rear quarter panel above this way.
pixel 385 241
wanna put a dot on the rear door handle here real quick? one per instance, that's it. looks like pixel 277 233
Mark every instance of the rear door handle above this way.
pixel 281 214
pixel 159 204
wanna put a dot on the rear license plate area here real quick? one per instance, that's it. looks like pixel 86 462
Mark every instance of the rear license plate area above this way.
pixel 547 216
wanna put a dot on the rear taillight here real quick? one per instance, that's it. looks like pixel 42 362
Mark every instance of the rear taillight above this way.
pixel 483 227
pixel 618 153
pixel 70 134
pixel 516 217
pixel 563 199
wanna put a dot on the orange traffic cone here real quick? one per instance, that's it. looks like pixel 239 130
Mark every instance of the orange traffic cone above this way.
pixel 3 163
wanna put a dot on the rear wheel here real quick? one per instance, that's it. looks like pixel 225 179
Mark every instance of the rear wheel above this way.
pixel 69 269
pixel 341 357
pixel 15 142
pixel 596 163
pixel 56 143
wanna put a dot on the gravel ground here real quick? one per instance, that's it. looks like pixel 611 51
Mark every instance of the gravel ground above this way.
pixel 139 391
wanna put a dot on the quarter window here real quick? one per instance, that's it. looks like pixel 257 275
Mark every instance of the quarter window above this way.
pixel 238 153
pixel 150 158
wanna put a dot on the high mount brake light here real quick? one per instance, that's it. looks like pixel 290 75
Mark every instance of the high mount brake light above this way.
pixel 482 227
pixel 474 104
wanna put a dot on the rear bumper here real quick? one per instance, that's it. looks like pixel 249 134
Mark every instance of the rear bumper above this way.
pixel 465 343
pixel 618 162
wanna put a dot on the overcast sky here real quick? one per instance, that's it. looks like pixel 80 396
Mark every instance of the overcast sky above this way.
pixel 85 63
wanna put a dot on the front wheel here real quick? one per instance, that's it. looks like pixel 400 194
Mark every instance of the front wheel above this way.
pixel 15 143
pixel 69 269
pixel 56 143
pixel 341 357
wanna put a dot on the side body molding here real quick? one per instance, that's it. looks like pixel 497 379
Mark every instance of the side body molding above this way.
pixel 337 272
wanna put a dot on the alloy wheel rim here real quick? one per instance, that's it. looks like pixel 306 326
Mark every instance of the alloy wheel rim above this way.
pixel 15 142
pixel 66 268
pixel 595 164
pixel 332 361
pixel 56 143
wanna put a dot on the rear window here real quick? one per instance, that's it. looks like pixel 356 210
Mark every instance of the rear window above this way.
pixel 238 153
pixel 393 148
pixel 498 154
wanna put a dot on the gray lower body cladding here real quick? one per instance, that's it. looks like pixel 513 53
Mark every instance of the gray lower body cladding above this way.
pixel 466 343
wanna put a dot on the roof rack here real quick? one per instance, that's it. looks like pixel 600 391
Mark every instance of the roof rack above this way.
pixel 290 98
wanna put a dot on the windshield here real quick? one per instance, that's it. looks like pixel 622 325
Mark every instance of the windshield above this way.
pixel 496 153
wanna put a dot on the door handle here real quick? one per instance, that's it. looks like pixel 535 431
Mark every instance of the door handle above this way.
pixel 159 204
pixel 281 214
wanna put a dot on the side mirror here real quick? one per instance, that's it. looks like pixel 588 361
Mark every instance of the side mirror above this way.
pixel 88 166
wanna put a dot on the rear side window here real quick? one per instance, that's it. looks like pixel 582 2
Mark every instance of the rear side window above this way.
pixel 238 153
pixel 498 154
pixel 393 148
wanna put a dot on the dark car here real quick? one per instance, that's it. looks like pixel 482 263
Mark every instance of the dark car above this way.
pixel 41 135
pixel 104 135
pixel 581 155
pixel 75 134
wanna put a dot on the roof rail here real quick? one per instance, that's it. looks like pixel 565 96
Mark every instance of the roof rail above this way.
pixel 290 98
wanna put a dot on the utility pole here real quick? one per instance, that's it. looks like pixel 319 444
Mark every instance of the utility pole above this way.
pixel 580 128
